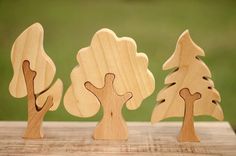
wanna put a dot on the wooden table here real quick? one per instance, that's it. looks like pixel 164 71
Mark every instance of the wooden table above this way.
pixel 74 138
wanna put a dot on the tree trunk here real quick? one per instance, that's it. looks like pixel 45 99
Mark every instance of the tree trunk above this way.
pixel 35 114
pixel 112 125
pixel 187 133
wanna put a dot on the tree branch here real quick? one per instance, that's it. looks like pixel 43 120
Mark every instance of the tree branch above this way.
pixel 96 91
pixel 109 79
pixel 126 97
pixel 29 76
pixel 187 96
pixel 35 114
pixel 47 105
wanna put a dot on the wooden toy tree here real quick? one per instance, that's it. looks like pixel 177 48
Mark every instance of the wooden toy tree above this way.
pixel 33 73
pixel 189 91
pixel 111 73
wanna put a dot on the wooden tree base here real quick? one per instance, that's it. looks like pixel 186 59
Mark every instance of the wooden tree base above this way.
pixel 35 114
pixel 112 125
pixel 187 133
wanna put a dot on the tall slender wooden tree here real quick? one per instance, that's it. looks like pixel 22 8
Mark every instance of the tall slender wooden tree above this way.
pixel 111 73
pixel 189 91
pixel 33 74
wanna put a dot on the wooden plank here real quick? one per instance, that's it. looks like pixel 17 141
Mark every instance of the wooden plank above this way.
pixel 75 138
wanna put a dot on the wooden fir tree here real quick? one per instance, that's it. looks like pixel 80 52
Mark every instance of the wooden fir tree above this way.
pixel 110 73
pixel 33 74
pixel 189 91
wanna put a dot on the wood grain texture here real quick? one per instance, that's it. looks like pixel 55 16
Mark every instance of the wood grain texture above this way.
pixel 55 91
pixel 33 75
pixel 35 114
pixel 108 54
pixel 29 46
pixel 112 126
pixel 74 138
pixel 187 133
pixel 192 73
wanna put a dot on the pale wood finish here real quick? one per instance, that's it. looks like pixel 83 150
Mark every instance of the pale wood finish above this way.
pixel 192 73
pixel 29 46
pixel 112 126
pixel 74 138
pixel 33 74
pixel 55 91
pixel 108 54
pixel 35 114
pixel 187 132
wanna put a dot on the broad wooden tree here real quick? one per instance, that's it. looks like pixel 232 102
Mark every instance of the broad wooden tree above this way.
pixel 33 74
pixel 110 73
pixel 189 91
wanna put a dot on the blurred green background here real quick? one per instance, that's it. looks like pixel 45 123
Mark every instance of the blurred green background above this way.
pixel 155 25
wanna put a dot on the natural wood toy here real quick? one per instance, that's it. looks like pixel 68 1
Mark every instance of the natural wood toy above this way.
pixel 111 73
pixel 33 74
pixel 189 91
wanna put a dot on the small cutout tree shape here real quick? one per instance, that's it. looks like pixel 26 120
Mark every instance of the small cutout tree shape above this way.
pixel 33 73
pixel 110 73
pixel 189 91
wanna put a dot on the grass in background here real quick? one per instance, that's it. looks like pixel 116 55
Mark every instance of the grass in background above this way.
pixel 155 25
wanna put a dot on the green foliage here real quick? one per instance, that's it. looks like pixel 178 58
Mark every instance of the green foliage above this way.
pixel 155 25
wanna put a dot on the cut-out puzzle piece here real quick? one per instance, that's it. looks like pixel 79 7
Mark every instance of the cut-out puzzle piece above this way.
pixel 33 74
pixel 187 132
pixel 112 125
pixel 35 114
pixel 108 54
pixel 29 46
pixel 192 73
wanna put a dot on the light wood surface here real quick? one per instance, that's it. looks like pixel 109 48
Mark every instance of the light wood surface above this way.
pixel 29 46
pixel 74 138
pixel 189 72
pixel 112 126
pixel 187 132
pixel 35 114
pixel 108 54
pixel 33 75
pixel 55 91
